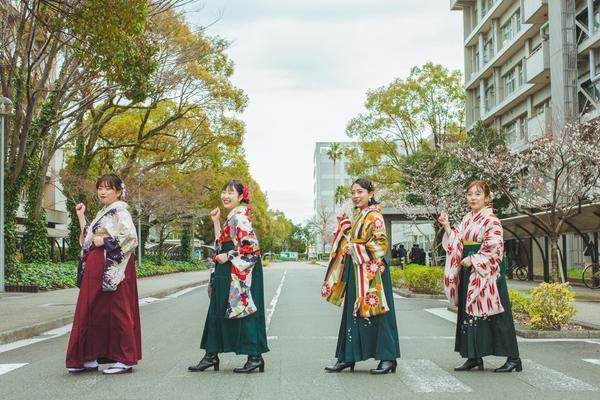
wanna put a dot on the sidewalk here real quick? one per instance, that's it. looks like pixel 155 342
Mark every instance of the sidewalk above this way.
pixel 23 315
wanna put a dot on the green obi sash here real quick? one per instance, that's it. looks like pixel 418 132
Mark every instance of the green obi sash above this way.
pixel 470 248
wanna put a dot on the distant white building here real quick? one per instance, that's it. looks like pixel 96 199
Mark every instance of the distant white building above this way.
pixel 326 181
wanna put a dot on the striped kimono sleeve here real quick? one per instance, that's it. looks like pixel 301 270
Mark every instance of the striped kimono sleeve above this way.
pixel 377 243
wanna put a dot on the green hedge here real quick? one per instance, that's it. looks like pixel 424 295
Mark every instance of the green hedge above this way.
pixel 63 275
pixel 419 278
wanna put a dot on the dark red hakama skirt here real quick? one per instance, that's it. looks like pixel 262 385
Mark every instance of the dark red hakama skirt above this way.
pixel 106 325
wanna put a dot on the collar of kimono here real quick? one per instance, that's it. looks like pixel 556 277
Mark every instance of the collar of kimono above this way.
pixel 105 209
pixel 239 210
pixel 485 211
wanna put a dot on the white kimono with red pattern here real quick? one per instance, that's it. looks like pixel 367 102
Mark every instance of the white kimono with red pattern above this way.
pixel 482 296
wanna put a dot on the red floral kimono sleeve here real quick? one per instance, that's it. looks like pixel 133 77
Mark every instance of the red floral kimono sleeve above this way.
pixel 246 252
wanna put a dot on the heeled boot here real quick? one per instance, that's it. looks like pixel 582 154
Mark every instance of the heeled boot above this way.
pixel 340 366
pixel 510 365
pixel 253 363
pixel 209 360
pixel 470 364
pixel 384 367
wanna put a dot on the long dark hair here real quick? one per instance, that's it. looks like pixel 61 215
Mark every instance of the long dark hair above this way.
pixel 238 186
pixel 368 186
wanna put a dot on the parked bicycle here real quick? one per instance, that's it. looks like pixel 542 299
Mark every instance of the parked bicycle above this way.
pixel 520 272
pixel 591 276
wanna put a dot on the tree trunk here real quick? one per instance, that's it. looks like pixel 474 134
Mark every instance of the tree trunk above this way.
pixel 160 254
pixel 556 271
pixel 36 246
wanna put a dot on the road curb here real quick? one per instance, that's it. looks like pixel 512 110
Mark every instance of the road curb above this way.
pixel 32 330
pixel 590 332
pixel 407 293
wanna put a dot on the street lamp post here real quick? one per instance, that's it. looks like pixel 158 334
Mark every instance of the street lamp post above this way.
pixel 6 107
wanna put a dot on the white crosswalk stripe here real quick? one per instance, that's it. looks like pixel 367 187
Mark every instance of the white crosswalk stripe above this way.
pixel 545 378
pixel 424 376
pixel 5 368
pixel 592 360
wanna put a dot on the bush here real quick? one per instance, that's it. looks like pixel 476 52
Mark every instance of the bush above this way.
pixel 395 262
pixel 265 262
pixel 551 306
pixel 420 279
pixel 313 260
pixel 397 276
pixel 520 304
pixel 47 275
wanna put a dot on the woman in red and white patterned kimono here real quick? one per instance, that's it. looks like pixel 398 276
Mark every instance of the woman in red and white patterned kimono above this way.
pixel 475 280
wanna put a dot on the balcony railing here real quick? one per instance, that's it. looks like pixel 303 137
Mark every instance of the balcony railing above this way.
pixel 537 65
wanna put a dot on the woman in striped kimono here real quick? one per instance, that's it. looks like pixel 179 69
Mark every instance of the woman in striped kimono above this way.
pixel 475 281
pixel 358 275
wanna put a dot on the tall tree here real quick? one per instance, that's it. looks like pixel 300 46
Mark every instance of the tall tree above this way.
pixel 335 153
pixel 550 181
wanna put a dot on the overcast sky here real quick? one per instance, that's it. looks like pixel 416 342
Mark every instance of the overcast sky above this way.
pixel 306 66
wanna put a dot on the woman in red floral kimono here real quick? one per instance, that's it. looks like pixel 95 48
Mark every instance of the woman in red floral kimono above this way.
pixel 106 325
pixel 475 281
pixel 236 315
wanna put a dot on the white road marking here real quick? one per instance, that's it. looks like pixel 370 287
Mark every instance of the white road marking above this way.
pixel 424 376
pixel 397 296
pixel 184 291
pixel 54 333
pixel 4 368
pixel 444 301
pixel 147 300
pixel 545 378
pixel 274 301
pixel 443 312
pixel 592 360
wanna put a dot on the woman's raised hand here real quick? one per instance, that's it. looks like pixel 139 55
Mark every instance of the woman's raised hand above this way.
pixel 443 219
pixel 215 215
pixel 342 216
pixel 80 209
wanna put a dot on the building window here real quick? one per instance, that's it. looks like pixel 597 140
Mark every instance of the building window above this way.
pixel 511 27
pixel 513 79
pixel 511 133
pixel 490 96
pixel 488 48
pixel 596 15
pixel 522 121
pixel 486 5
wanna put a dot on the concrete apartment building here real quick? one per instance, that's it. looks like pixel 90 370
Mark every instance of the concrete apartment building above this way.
pixel 529 65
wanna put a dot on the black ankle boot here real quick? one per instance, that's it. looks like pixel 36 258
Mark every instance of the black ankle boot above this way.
pixel 340 366
pixel 253 363
pixel 384 367
pixel 470 364
pixel 209 360
pixel 510 365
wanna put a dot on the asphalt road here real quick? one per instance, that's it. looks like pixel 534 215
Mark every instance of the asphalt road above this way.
pixel 302 331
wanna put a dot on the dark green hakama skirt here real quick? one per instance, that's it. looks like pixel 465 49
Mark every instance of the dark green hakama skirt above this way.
pixel 246 335
pixel 479 337
pixel 364 338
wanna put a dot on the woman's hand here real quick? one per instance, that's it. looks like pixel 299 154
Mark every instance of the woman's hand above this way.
pixel 347 250
pixel 445 222
pixel 222 258
pixel 342 216
pixel 80 209
pixel 215 215
pixel 98 240
pixel 443 219
pixel 466 262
